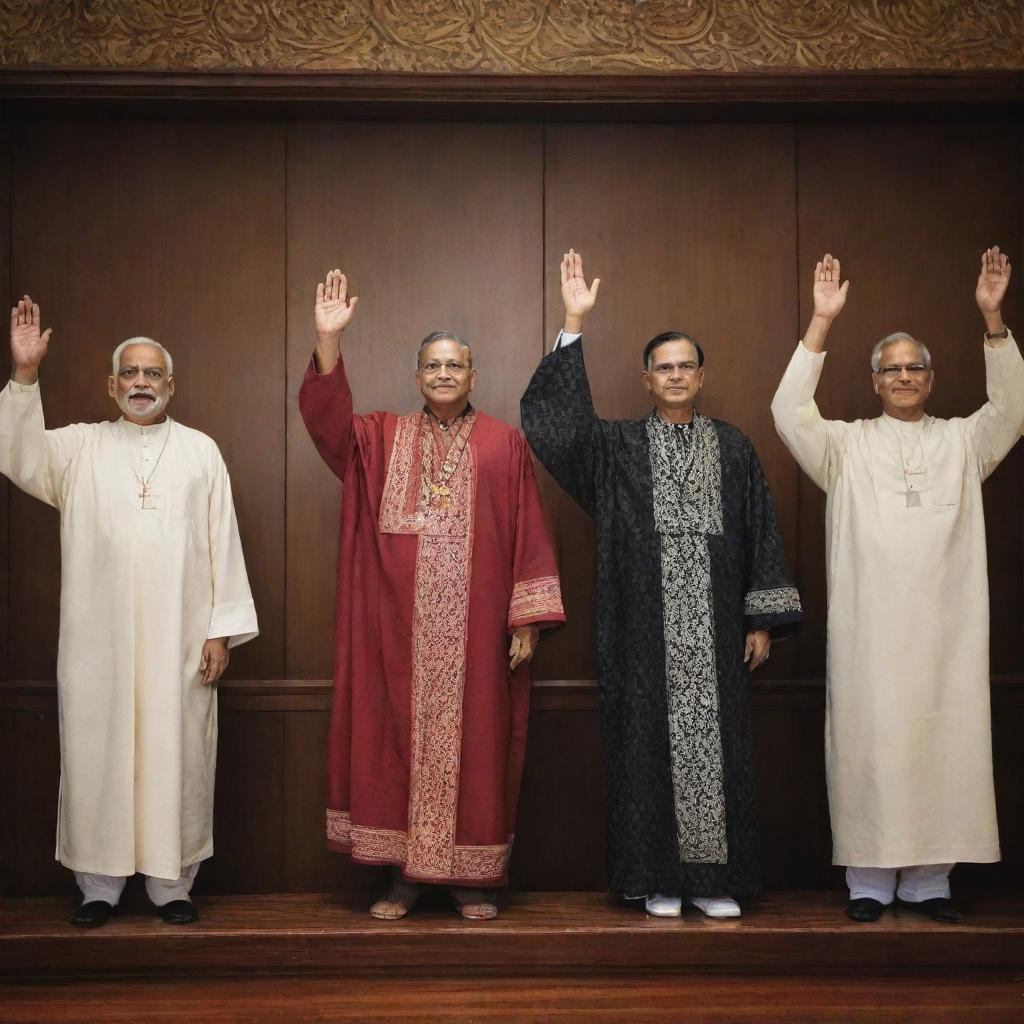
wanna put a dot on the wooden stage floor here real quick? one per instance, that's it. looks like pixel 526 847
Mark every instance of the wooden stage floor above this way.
pixel 550 957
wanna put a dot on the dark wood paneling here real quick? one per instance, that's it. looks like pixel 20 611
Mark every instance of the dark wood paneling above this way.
pixel 249 805
pixel 308 865
pixel 909 209
pixel 173 231
pixel 561 823
pixel 5 366
pixel 436 227
pixel 33 824
pixel 689 228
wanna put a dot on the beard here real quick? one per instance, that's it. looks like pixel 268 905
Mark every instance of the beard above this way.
pixel 155 409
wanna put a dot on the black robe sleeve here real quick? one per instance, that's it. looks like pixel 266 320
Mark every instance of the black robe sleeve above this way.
pixel 770 599
pixel 560 424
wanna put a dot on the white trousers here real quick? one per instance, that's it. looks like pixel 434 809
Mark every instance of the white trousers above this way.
pixel 160 890
pixel 916 883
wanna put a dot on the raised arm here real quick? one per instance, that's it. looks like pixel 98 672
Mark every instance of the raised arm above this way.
pixel 33 457
pixel 325 399
pixel 557 410
pixel 1000 421
pixel 810 438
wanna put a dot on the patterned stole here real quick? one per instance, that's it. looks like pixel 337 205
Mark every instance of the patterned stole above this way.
pixel 686 470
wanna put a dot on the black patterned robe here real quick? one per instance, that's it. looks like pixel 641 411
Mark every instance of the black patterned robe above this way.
pixel 689 561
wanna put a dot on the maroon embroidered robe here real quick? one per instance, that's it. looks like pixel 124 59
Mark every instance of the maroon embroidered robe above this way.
pixel 428 725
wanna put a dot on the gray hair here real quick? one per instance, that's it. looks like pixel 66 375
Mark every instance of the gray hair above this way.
pixel 116 359
pixel 442 336
pixel 891 339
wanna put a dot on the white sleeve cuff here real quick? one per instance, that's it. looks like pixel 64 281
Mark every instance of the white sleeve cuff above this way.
pixel 563 339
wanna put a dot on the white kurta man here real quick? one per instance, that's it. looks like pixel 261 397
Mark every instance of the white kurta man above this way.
pixel 908 727
pixel 153 594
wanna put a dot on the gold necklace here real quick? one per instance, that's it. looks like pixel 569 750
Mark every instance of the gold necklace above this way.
pixel 437 486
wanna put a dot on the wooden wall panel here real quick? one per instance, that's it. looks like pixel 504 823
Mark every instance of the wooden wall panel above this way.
pixel 249 805
pixel 689 228
pixel 308 865
pixel 436 226
pixel 909 209
pixel 5 364
pixel 560 829
pixel 34 821
pixel 174 231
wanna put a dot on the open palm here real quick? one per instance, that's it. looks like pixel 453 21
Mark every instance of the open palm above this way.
pixel 577 298
pixel 992 280
pixel 829 295
pixel 334 309
pixel 28 345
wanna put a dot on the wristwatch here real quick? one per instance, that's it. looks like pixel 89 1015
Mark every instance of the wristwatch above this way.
pixel 1004 333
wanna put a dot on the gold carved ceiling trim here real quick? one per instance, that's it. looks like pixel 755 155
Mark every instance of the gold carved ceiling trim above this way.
pixel 517 36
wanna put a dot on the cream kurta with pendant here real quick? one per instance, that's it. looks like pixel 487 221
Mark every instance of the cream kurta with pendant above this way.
pixel 142 588
pixel 908 727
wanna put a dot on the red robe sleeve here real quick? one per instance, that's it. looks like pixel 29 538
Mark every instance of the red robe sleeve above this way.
pixel 325 401
pixel 536 593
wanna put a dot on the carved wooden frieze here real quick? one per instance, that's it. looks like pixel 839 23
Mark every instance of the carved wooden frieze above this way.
pixel 514 36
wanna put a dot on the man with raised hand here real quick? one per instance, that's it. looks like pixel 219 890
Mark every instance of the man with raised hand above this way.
pixel 908 726
pixel 446 575
pixel 691 586
pixel 153 594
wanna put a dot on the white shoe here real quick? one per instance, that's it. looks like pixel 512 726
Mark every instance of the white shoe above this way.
pixel 721 906
pixel 664 906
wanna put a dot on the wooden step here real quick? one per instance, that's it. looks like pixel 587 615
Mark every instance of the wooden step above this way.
pixel 536 932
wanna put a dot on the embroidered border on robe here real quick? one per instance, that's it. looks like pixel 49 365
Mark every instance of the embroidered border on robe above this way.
pixel 534 598
pixel 771 602
pixel 686 471
pixel 439 635
pixel 380 844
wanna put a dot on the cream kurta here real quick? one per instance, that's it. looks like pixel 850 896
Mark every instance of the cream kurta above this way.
pixel 141 591
pixel 908 727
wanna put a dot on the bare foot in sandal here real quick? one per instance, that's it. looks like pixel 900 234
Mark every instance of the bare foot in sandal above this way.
pixel 473 904
pixel 397 901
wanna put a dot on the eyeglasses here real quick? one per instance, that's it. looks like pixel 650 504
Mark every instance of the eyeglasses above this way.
pixel 685 368
pixel 892 372
pixel 435 367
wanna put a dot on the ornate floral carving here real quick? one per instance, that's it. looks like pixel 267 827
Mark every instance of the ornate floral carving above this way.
pixel 515 36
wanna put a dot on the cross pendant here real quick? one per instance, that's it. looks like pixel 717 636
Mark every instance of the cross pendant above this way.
pixel 143 495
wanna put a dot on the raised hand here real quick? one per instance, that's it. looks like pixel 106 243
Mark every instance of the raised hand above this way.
pixel 992 283
pixel 577 298
pixel 28 346
pixel 332 313
pixel 829 297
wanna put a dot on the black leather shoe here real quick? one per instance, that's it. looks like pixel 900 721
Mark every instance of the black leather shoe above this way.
pixel 864 909
pixel 938 909
pixel 93 914
pixel 178 912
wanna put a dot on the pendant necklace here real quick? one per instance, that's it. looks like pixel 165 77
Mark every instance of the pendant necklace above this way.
pixel 437 486
pixel 143 480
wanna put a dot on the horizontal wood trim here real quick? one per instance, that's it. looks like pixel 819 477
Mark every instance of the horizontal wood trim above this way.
pixel 546 694
pixel 815 89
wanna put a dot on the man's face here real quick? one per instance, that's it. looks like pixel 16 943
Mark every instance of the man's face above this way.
pixel 674 379
pixel 142 387
pixel 902 393
pixel 445 377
